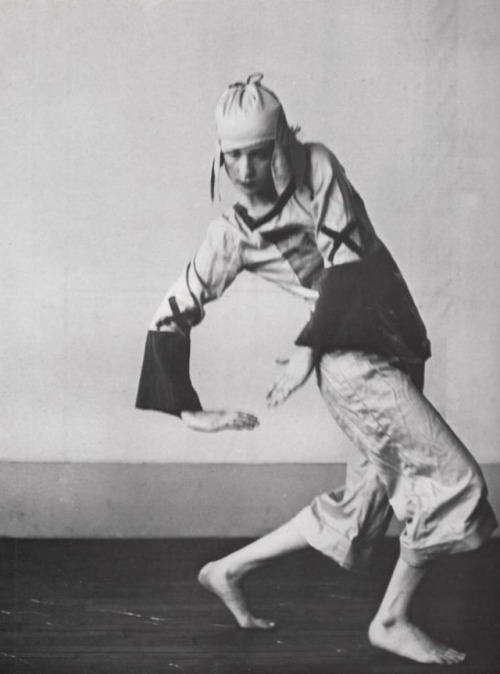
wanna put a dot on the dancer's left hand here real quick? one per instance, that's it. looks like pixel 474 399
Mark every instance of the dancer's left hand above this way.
pixel 295 373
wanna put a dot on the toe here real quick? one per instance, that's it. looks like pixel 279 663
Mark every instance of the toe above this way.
pixel 452 657
pixel 456 657
pixel 263 624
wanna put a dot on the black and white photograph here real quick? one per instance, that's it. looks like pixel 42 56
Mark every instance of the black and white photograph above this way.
pixel 249 336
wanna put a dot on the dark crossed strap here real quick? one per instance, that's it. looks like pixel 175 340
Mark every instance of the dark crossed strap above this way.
pixel 178 316
pixel 280 204
pixel 342 237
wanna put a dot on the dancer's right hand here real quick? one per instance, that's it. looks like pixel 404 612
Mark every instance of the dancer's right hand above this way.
pixel 211 421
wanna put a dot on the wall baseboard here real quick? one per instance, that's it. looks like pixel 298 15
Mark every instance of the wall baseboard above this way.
pixel 80 500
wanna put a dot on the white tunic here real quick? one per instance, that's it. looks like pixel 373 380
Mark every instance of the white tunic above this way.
pixel 290 250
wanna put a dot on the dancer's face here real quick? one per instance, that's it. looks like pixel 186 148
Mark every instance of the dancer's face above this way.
pixel 249 169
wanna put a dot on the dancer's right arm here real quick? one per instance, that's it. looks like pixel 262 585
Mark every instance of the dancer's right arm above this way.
pixel 213 268
pixel 165 383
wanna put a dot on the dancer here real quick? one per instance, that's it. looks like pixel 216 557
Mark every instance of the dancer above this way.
pixel 300 224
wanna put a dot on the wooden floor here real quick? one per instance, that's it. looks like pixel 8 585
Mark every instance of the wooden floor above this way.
pixel 114 606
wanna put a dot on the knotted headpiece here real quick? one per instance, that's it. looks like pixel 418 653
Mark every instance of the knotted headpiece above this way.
pixel 247 114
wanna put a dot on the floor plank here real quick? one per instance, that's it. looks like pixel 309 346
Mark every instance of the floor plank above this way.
pixel 92 606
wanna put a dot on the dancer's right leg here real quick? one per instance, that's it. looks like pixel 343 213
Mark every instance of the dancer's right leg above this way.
pixel 224 577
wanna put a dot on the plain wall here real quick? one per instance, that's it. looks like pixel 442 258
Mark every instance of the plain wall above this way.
pixel 106 140
pixel 170 500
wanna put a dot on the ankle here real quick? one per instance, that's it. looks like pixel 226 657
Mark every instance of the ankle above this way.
pixel 234 569
pixel 221 568
pixel 389 619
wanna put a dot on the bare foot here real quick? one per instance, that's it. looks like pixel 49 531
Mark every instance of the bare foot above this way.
pixel 215 578
pixel 403 638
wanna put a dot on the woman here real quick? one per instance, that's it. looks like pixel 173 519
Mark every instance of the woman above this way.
pixel 299 223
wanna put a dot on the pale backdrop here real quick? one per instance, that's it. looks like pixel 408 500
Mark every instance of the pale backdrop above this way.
pixel 106 138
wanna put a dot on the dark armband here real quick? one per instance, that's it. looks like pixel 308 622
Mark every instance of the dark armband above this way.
pixel 165 384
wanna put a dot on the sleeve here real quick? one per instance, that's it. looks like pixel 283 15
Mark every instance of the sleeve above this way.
pixel 331 210
pixel 344 235
pixel 363 302
pixel 165 383
pixel 335 209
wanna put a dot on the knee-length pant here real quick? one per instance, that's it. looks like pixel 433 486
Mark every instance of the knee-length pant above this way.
pixel 408 461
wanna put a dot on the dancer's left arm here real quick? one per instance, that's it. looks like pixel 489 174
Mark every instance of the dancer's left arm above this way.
pixel 295 372
pixel 328 209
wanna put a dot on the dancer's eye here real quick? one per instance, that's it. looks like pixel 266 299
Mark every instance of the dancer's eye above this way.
pixel 263 155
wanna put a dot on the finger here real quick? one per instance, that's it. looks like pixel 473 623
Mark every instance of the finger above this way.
pixel 160 323
pixel 279 394
pixel 277 384
pixel 274 389
pixel 244 420
pixel 239 423
pixel 246 417
pixel 242 427
pixel 239 426
pixel 282 390
pixel 278 400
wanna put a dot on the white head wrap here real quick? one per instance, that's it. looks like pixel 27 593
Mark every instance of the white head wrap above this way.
pixel 249 114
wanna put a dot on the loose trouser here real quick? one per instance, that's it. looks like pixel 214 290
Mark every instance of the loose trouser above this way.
pixel 409 461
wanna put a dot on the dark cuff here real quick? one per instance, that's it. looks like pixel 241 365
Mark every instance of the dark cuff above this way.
pixel 367 306
pixel 344 315
pixel 165 384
